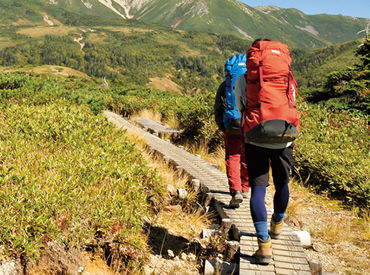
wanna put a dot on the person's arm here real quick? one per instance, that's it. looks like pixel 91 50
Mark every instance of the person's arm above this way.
pixel 240 93
pixel 219 107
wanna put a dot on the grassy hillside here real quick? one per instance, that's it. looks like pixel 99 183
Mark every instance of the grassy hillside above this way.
pixel 330 28
pixel 132 54
pixel 136 52
pixel 311 67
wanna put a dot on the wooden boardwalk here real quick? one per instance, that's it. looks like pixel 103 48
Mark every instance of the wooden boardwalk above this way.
pixel 288 254
pixel 156 128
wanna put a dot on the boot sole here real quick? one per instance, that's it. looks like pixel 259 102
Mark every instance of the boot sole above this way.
pixel 236 203
pixel 274 235
pixel 264 259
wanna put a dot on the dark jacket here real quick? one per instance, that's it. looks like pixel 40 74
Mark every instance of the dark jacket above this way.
pixel 219 107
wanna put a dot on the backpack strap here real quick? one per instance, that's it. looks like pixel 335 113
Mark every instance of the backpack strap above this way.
pixel 260 72
pixel 292 84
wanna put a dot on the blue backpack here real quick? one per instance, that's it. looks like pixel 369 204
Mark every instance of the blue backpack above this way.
pixel 234 67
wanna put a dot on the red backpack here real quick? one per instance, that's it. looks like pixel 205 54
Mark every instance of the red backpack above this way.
pixel 270 115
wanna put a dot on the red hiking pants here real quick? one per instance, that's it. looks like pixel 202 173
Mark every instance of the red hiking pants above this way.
pixel 236 168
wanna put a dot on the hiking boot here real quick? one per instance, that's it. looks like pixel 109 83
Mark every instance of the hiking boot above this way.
pixel 264 252
pixel 236 199
pixel 245 194
pixel 276 228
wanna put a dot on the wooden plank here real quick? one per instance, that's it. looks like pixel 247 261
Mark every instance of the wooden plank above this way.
pixel 283 271
pixel 289 253
pixel 292 266
pixel 252 272
pixel 294 260
pixel 250 263
pixel 289 248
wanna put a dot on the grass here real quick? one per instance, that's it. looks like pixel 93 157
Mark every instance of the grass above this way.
pixel 5 44
pixel 216 158
pixel 150 114
pixel 68 176
pixel 37 32
pixel 47 69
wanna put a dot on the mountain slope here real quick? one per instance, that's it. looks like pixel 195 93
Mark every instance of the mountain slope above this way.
pixel 134 51
pixel 228 16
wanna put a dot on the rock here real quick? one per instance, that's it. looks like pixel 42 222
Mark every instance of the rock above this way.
pixel 209 267
pixel 192 257
pixel 171 189
pixel 196 184
pixel 183 256
pixel 9 268
pixel 305 238
pixel 170 254
pixel 182 193
pixel 315 267
pixel 212 267
pixel 207 233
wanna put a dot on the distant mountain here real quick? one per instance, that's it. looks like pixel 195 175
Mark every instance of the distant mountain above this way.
pixel 228 16
pixel 101 43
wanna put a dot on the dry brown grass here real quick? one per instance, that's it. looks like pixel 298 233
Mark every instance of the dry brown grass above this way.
pixel 217 158
pixel 164 84
pixel 47 30
pixel 98 38
pixel 4 43
pixel 47 69
pixel 171 122
pixel 128 30
pixel 156 116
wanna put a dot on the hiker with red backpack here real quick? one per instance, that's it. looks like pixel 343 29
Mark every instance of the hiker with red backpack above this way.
pixel 270 122
pixel 228 120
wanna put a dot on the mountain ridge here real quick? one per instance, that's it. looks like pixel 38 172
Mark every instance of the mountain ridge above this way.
pixel 291 26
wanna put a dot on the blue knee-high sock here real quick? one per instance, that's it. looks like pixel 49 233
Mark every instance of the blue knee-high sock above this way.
pixel 258 211
pixel 281 199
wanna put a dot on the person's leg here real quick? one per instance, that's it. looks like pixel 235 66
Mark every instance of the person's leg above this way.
pixel 232 161
pixel 258 165
pixel 258 211
pixel 258 170
pixel 281 162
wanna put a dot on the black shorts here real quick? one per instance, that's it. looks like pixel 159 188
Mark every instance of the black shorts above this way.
pixel 259 159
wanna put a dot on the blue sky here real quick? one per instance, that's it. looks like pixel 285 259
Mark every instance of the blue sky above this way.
pixel 357 8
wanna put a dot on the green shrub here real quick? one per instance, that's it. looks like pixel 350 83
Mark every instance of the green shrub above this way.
pixel 333 150
pixel 68 175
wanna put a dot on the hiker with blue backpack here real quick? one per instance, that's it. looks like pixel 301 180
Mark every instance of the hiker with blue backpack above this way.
pixel 228 120
pixel 270 122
